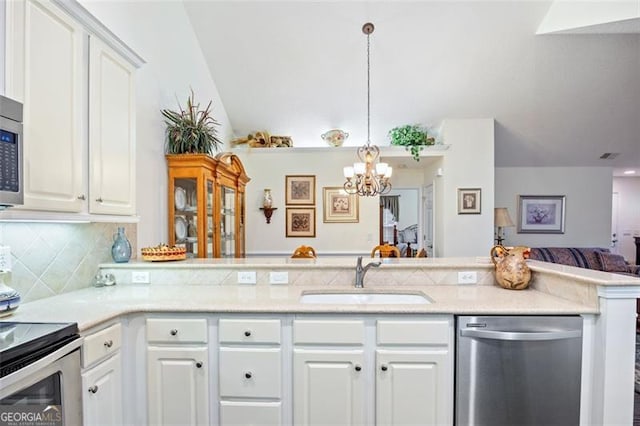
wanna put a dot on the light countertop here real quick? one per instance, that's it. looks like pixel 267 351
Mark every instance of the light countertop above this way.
pixel 92 306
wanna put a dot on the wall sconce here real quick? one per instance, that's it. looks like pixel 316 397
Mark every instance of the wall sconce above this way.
pixel 267 205
pixel 268 212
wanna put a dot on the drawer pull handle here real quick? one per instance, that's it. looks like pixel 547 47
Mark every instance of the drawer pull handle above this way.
pixel 173 332
pixel 248 375
pixel 99 199
pixel 383 367
pixel 358 368
pixel 199 364
pixel 247 333
pixel 93 389
pixel 108 343
pixel 82 197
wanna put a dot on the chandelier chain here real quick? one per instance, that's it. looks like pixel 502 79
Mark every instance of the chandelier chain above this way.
pixel 368 92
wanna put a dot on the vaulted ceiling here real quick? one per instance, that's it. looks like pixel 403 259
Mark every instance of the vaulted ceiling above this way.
pixel 298 68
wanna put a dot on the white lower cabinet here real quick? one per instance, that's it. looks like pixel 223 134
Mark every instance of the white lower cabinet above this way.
pixel 404 377
pixel 102 393
pixel 328 387
pixel 177 371
pixel 102 378
pixel 411 387
pixel 250 366
pixel 303 370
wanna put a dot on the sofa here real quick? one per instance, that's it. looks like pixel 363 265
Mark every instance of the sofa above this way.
pixel 600 259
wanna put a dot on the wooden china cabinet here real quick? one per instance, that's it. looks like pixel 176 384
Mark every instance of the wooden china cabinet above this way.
pixel 206 204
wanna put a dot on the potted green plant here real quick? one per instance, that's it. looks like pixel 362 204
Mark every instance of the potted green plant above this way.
pixel 412 137
pixel 191 130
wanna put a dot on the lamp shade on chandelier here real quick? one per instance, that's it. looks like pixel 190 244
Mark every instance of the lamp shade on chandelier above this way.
pixel 368 177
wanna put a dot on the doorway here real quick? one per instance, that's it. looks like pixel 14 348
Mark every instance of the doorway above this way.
pixel 402 219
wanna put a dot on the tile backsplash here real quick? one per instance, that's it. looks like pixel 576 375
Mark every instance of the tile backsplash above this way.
pixel 54 258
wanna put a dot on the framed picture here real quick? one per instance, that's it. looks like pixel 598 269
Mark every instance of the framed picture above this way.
pixel 338 206
pixel 541 214
pixel 300 190
pixel 301 222
pixel 469 200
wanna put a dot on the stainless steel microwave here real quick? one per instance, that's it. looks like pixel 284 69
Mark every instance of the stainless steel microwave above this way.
pixel 11 160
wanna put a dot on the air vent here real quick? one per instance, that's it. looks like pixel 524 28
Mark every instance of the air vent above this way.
pixel 609 155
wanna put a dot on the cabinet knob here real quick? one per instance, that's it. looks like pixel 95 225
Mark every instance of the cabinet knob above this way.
pixel 383 367
pixel 108 343
pixel 81 197
pixel 199 364
pixel 247 333
pixel 93 389
pixel 99 199
pixel 358 368
pixel 248 375
pixel 174 331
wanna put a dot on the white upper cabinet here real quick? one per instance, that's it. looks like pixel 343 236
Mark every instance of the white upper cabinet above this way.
pixel 111 131
pixel 45 72
pixel 76 80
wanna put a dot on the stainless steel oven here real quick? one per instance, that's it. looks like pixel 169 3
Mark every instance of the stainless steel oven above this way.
pixel 40 374
pixel 11 160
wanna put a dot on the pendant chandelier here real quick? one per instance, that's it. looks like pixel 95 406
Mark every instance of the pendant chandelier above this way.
pixel 368 177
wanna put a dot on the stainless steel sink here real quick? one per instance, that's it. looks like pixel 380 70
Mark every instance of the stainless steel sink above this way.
pixel 365 298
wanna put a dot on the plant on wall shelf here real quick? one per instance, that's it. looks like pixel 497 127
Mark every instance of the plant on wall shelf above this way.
pixel 191 130
pixel 412 137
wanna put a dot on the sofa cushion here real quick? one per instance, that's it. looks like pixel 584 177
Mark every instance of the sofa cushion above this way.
pixel 613 262
pixel 586 257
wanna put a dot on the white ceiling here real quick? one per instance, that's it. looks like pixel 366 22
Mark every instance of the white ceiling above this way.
pixel 298 68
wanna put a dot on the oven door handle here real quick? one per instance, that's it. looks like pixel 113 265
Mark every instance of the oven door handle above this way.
pixel 33 368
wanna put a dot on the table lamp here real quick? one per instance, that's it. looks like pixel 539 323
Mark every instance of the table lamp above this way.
pixel 501 220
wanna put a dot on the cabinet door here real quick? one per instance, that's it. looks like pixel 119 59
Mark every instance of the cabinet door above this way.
pixel 102 393
pixel 111 132
pixel 328 387
pixel 177 386
pixel 413 387
pixel 46 72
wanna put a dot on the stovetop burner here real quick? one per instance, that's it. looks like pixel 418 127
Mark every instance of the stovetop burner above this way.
pixel 22 343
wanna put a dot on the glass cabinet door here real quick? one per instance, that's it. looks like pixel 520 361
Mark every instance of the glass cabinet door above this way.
pixel 186 215
pixel 227 222
pixel 209 217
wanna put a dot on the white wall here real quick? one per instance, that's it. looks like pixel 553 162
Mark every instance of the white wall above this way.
pixel 588 203
pixel 3 7
pixel 628 189
pixel 567 15
pixel 161 33
pixel 469 163
pixel 268 168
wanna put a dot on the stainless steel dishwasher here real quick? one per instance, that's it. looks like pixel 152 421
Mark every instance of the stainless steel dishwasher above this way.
pixel 518 370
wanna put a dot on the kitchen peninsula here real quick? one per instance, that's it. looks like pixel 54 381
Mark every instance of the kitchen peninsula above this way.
pixel 205 295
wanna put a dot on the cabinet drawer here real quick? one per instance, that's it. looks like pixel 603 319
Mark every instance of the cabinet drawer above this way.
pixel 250 373
pixel 249 331
pixel 342 332
pixel 250 413
pixel 413 332
pixel 100 344
pixel 177 330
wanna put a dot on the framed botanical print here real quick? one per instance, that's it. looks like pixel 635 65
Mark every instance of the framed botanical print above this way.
pixel 300 190
pixel 301 222
pixel 469 201
pixel 339 206
pixel 541 214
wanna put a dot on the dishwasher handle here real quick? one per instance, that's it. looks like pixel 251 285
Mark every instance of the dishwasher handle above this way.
pixel 520 335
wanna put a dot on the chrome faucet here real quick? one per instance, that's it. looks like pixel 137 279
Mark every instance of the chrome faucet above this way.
pixel 361 271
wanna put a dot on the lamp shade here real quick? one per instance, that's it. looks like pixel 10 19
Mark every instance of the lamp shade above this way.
pixel 501 217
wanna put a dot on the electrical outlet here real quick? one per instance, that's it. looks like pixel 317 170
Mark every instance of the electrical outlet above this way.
pixel 140 277
pixel 5 258
pixel 467 277
pixel 247 277
pixel 279 277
